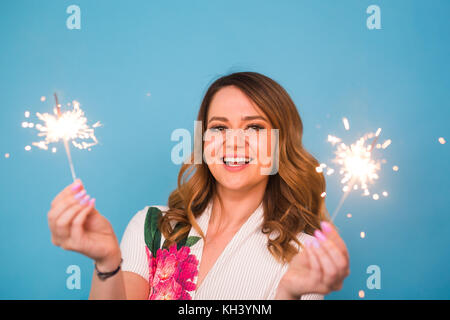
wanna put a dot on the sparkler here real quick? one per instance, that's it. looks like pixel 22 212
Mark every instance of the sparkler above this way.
pixel 358 168
pixel 66 126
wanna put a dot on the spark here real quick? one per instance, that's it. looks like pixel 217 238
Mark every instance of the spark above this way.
pixel 361 294
pixel 7 155
pixel 441 140
pixel 333 140
pixel 356 164
pixel 395 168
pixel 70 125
pixel 378 132
pixel 358 167
pixel 346 124
pixel 362 234
pixel 386 144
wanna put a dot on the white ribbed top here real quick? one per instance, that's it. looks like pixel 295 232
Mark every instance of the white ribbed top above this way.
pixel 244 270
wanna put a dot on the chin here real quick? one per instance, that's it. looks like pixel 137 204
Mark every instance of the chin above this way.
pixel 236 182
pixel 234 185
pixel 240 180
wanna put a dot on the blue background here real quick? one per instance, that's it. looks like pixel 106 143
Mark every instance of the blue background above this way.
pixel 322 52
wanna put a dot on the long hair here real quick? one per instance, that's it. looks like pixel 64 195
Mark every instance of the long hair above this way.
pixel 292 200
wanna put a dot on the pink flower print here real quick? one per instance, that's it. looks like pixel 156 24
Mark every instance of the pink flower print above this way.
pixel 171 273
pixel 166 266
pixel 166 290
pixel 151 264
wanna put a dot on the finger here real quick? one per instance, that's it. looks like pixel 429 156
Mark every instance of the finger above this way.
pixel 63 196
pixel 74 241
pixel 329 269
pixel 330 231
pixel 63 205
pixel 300 261
pixel 312 257
pixel 74 187
pixel 77 230
pixel 79 220
pixel 320 285
pixel 62 224
pixel 338 258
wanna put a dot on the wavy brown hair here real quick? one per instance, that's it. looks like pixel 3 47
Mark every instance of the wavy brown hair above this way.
pixel 292 200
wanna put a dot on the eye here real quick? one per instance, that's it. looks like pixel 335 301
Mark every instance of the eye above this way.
pixel 255 127
pixel 217 128
pixel 250 126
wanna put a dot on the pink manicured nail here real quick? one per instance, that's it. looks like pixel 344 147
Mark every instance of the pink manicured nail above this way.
pixel 85 199
pixel 80 194
pixel 76 186
pixel 326 227
pixel 319 235
pixel 92 201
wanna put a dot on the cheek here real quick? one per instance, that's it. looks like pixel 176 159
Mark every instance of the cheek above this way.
pixel 266 152
pixel 212 149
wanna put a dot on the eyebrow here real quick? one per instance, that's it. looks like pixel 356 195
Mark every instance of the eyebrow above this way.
pixel 247 118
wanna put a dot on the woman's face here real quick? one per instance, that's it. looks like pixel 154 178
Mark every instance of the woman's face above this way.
pixel 237 158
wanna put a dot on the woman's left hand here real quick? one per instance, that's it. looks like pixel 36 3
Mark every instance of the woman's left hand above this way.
pixel 320 267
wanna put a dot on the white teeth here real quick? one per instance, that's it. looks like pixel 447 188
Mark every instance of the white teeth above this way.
pixel 236 161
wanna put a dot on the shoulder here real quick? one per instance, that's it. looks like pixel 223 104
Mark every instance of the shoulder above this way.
pixel 133 243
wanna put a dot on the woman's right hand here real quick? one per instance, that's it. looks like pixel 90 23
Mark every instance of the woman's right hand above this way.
pixel 76 225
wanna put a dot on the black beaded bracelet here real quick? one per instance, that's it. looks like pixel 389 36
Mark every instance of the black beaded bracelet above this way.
pixel 105 275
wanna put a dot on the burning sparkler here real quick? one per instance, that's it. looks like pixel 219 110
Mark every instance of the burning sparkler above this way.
pixel 69 125
pixel 358 168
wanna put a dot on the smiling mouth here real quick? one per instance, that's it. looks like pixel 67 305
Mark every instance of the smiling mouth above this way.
pixel 235 162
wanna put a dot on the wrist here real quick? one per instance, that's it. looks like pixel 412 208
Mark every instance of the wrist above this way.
pixel 283 293
pixel 110 262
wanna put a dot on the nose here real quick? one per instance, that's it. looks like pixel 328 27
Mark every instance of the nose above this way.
pixel 235 139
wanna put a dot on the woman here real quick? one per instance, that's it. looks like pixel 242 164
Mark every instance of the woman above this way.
pixel 231 230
